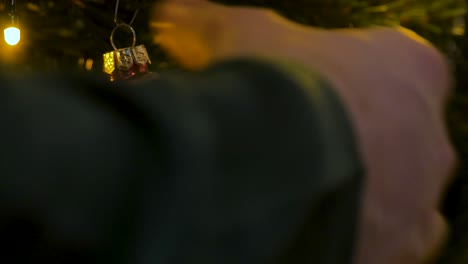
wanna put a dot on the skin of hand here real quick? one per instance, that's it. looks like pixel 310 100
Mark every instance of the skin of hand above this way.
pixel 394 85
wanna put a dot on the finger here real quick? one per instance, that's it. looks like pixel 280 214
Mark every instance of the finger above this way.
pixel 168 12
pixel 184 29
pixel 160 25
pixel 427 64
pixel 189 2
pixel 176 8
pixel 171 18
pixel 437 237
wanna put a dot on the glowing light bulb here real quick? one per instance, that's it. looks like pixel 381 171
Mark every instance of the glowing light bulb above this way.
pixel 12 35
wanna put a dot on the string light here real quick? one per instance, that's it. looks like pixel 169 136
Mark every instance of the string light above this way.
pixel 12 34
pixel 89 64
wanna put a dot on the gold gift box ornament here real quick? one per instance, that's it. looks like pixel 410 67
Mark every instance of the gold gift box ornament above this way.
pixel 126 63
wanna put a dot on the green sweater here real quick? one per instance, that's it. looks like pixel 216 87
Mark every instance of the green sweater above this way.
pixel 246 162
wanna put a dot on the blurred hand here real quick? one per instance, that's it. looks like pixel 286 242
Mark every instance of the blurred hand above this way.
pixel 394 85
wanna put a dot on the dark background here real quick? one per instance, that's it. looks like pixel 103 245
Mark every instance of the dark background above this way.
pixel 68 34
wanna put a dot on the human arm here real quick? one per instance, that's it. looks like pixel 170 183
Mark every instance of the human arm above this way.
pixel 248 161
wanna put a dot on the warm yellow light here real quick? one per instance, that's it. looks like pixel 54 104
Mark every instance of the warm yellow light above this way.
pixel 12 35
pixel 89 64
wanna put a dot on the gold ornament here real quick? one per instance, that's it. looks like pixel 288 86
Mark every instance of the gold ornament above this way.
pixel 126 63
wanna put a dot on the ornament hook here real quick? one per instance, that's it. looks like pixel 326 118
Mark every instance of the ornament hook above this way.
pixel 119 26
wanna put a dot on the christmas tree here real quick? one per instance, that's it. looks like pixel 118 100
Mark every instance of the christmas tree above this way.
pixel 73 35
